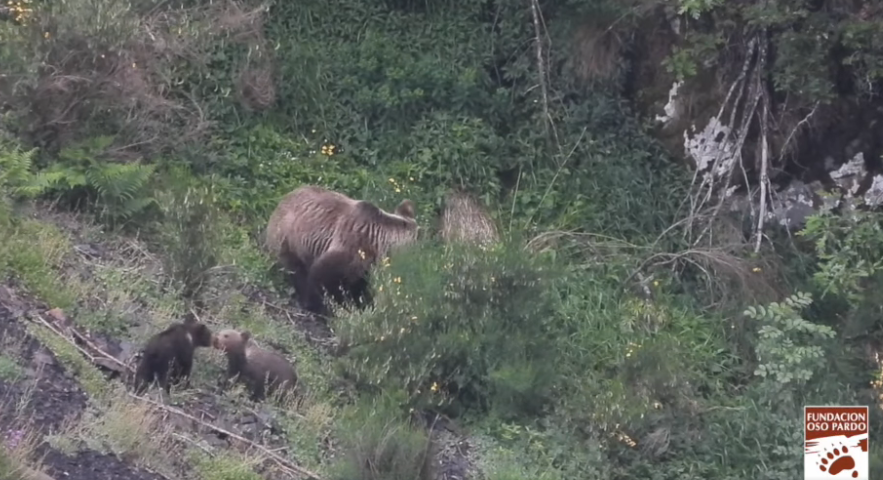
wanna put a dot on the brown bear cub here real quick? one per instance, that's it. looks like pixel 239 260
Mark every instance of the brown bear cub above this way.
pixel 263 372
pixel 168 356
pixel 337 275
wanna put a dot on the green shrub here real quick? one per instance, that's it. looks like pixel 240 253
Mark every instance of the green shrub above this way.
pixel 379 445
pixel 786 350
pixel 458 327
pixel 189 235
pixel 85 178
pixel 227 466
pixel 261 165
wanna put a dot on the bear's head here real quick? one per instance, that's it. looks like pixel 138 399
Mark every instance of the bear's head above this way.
pixel 199 333
pixel 230 340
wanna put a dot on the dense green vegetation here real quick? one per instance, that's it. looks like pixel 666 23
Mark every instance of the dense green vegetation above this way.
pixel 594 341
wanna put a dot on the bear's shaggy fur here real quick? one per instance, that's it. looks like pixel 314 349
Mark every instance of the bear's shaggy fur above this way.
pixel 464 218
pixel 168 355
pixel 328 242
pixel 263 372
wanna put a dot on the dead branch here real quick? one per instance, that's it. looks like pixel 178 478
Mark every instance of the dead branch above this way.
pixel 713 263
pixel 190 441
pixel 707 185
pixel 92 357
pixel 764 154
pixel 541 64
pixel 47 324
pixel 286 465
pixel 797 128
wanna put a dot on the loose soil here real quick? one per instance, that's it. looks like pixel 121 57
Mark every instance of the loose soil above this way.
pixel 52 397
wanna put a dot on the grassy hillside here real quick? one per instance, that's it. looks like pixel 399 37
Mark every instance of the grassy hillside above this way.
pixel 607 334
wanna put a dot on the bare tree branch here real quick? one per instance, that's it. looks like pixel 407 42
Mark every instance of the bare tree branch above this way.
pixel 541 63
pixel 765 148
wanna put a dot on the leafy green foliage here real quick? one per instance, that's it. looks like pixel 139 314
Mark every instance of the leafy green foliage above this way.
pixel 379 445
pixel 570 375
pixel 262 164
pixel 458 327
pixel 117 192
pixel 818 56
pixel 786 349
pixel 16 173
pixel 10 370
pixel 366 76
pixel 224 467
pixel 849 251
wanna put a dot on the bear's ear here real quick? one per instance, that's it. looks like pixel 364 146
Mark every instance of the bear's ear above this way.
pixel 203 332
pixel 245 336
pixel 406 209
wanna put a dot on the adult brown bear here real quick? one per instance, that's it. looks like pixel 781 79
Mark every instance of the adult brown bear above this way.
pixel 327 242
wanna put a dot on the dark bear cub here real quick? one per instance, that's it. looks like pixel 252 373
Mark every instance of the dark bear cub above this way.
pixel 168 356
pixel 339 276
pixel 263 372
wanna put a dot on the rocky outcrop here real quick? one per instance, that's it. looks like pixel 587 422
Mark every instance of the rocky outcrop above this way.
pixel 738 129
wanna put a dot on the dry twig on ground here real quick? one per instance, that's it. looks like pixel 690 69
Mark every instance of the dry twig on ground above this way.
pixel 286 465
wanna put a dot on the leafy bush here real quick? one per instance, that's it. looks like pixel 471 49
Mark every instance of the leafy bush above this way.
pixel 379 445
pixel 262 164
pixel 79 68
pixel 458 327
pixel 189 235
pixel 848 268
pixel 84 178
pixel 785 350
pixel 848 249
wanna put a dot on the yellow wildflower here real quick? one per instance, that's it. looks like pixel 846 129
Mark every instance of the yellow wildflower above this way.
pixel 434 387
pixel 756 270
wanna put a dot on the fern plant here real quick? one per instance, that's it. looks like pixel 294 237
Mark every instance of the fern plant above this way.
pixel 788 349
pixel 16 175
pixel 118 191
